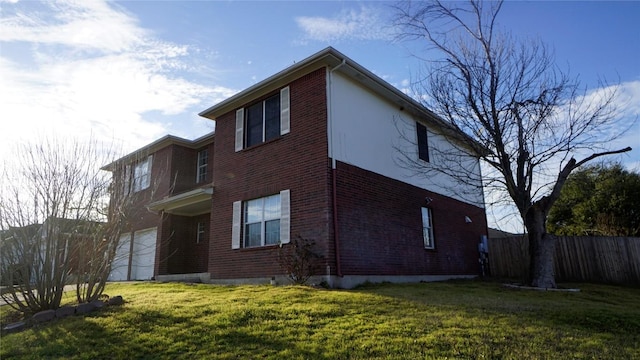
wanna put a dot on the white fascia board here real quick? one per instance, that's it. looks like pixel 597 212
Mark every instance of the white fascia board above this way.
pixel 175 203
pixel 161 143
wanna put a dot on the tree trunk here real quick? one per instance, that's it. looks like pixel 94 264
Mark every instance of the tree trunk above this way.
pixel 541 249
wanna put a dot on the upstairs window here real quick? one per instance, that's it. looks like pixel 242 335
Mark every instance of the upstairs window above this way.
pixel 263 121
pixel 423 143
pixel 427 229
pixel 142 174
pixel 201 171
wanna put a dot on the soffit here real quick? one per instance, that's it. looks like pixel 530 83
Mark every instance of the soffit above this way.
pixel 190 203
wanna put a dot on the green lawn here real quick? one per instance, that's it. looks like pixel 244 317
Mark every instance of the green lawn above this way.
pixel 461 319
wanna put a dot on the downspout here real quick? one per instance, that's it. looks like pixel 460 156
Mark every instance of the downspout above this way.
pixel 334 173
pixel 130 263
pixel 335 222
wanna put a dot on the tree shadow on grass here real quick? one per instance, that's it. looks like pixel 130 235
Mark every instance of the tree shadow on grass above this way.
pixel 588 310
pixel 158 335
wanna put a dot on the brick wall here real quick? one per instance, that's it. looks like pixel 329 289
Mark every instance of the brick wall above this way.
pixel 296 161
pixel 183 168
pixel 380 228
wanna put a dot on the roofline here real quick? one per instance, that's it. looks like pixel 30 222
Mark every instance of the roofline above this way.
pixel 335 60
pixel 161 143
pixel 328 57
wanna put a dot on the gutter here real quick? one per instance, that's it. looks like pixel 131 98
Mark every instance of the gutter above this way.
pixel 334 173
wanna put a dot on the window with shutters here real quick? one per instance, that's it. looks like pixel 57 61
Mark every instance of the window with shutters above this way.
pixel 423 143
pixel 262 222
pixel 142 174
pixel 263 121
pixel 427 229
pixel 201 171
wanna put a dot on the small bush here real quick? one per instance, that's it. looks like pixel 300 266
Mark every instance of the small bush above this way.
pixel 299 259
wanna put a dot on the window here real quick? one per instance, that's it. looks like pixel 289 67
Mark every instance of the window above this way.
pixel 423 143
pixel 203 159
pixel 263 121
pixel 263 221
pixel 200 232
pixel 142 174
pixel 427 229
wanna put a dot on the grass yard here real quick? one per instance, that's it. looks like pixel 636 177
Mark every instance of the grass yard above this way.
pixel 453 320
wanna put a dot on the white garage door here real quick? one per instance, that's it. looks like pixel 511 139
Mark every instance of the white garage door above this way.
pixel 120 265
pixel 144 254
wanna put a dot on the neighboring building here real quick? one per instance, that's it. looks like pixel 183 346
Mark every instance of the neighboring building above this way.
pixel 311 151
pixel 23 249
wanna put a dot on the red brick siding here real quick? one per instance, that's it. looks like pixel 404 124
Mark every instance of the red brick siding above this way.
pixel 179 253
pixel 163 245
pixel 380 228
pixel 173 171
pixel 183 168
pixel 194 256
pixel 296 161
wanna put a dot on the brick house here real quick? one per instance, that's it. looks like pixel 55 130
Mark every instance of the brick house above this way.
pixel 310 151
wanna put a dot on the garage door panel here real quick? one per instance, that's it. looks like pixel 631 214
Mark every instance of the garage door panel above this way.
pixel 120 264
pixel 144 254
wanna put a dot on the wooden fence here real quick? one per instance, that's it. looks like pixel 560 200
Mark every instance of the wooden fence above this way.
pixel 614 260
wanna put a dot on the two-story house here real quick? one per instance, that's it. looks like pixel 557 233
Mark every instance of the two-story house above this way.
pixel 170 184
pixel 311 151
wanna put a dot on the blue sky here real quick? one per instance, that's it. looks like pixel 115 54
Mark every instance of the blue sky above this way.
pixel 130 72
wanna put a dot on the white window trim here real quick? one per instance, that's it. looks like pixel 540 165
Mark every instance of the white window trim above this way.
pixel 285 221
pixel 142 181
pixel 262 221
pixel 200 234
pixel 200 166
pixel 427 229
pixel 285 119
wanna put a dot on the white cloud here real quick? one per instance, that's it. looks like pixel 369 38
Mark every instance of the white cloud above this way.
pixel 91 70
pixel 365 23
pixel 79 24
pixel 626 125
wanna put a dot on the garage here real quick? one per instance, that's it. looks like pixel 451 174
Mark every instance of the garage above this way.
pixel 142 259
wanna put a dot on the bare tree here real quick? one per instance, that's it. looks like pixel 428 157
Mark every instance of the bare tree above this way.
pixel 526 119
pixel 58 225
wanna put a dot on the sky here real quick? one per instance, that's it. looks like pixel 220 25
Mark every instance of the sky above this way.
pixel 130 72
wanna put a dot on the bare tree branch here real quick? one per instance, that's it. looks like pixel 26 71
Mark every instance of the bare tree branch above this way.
pixel 507 95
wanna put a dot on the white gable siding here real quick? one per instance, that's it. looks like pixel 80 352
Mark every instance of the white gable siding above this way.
pixel 365 131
